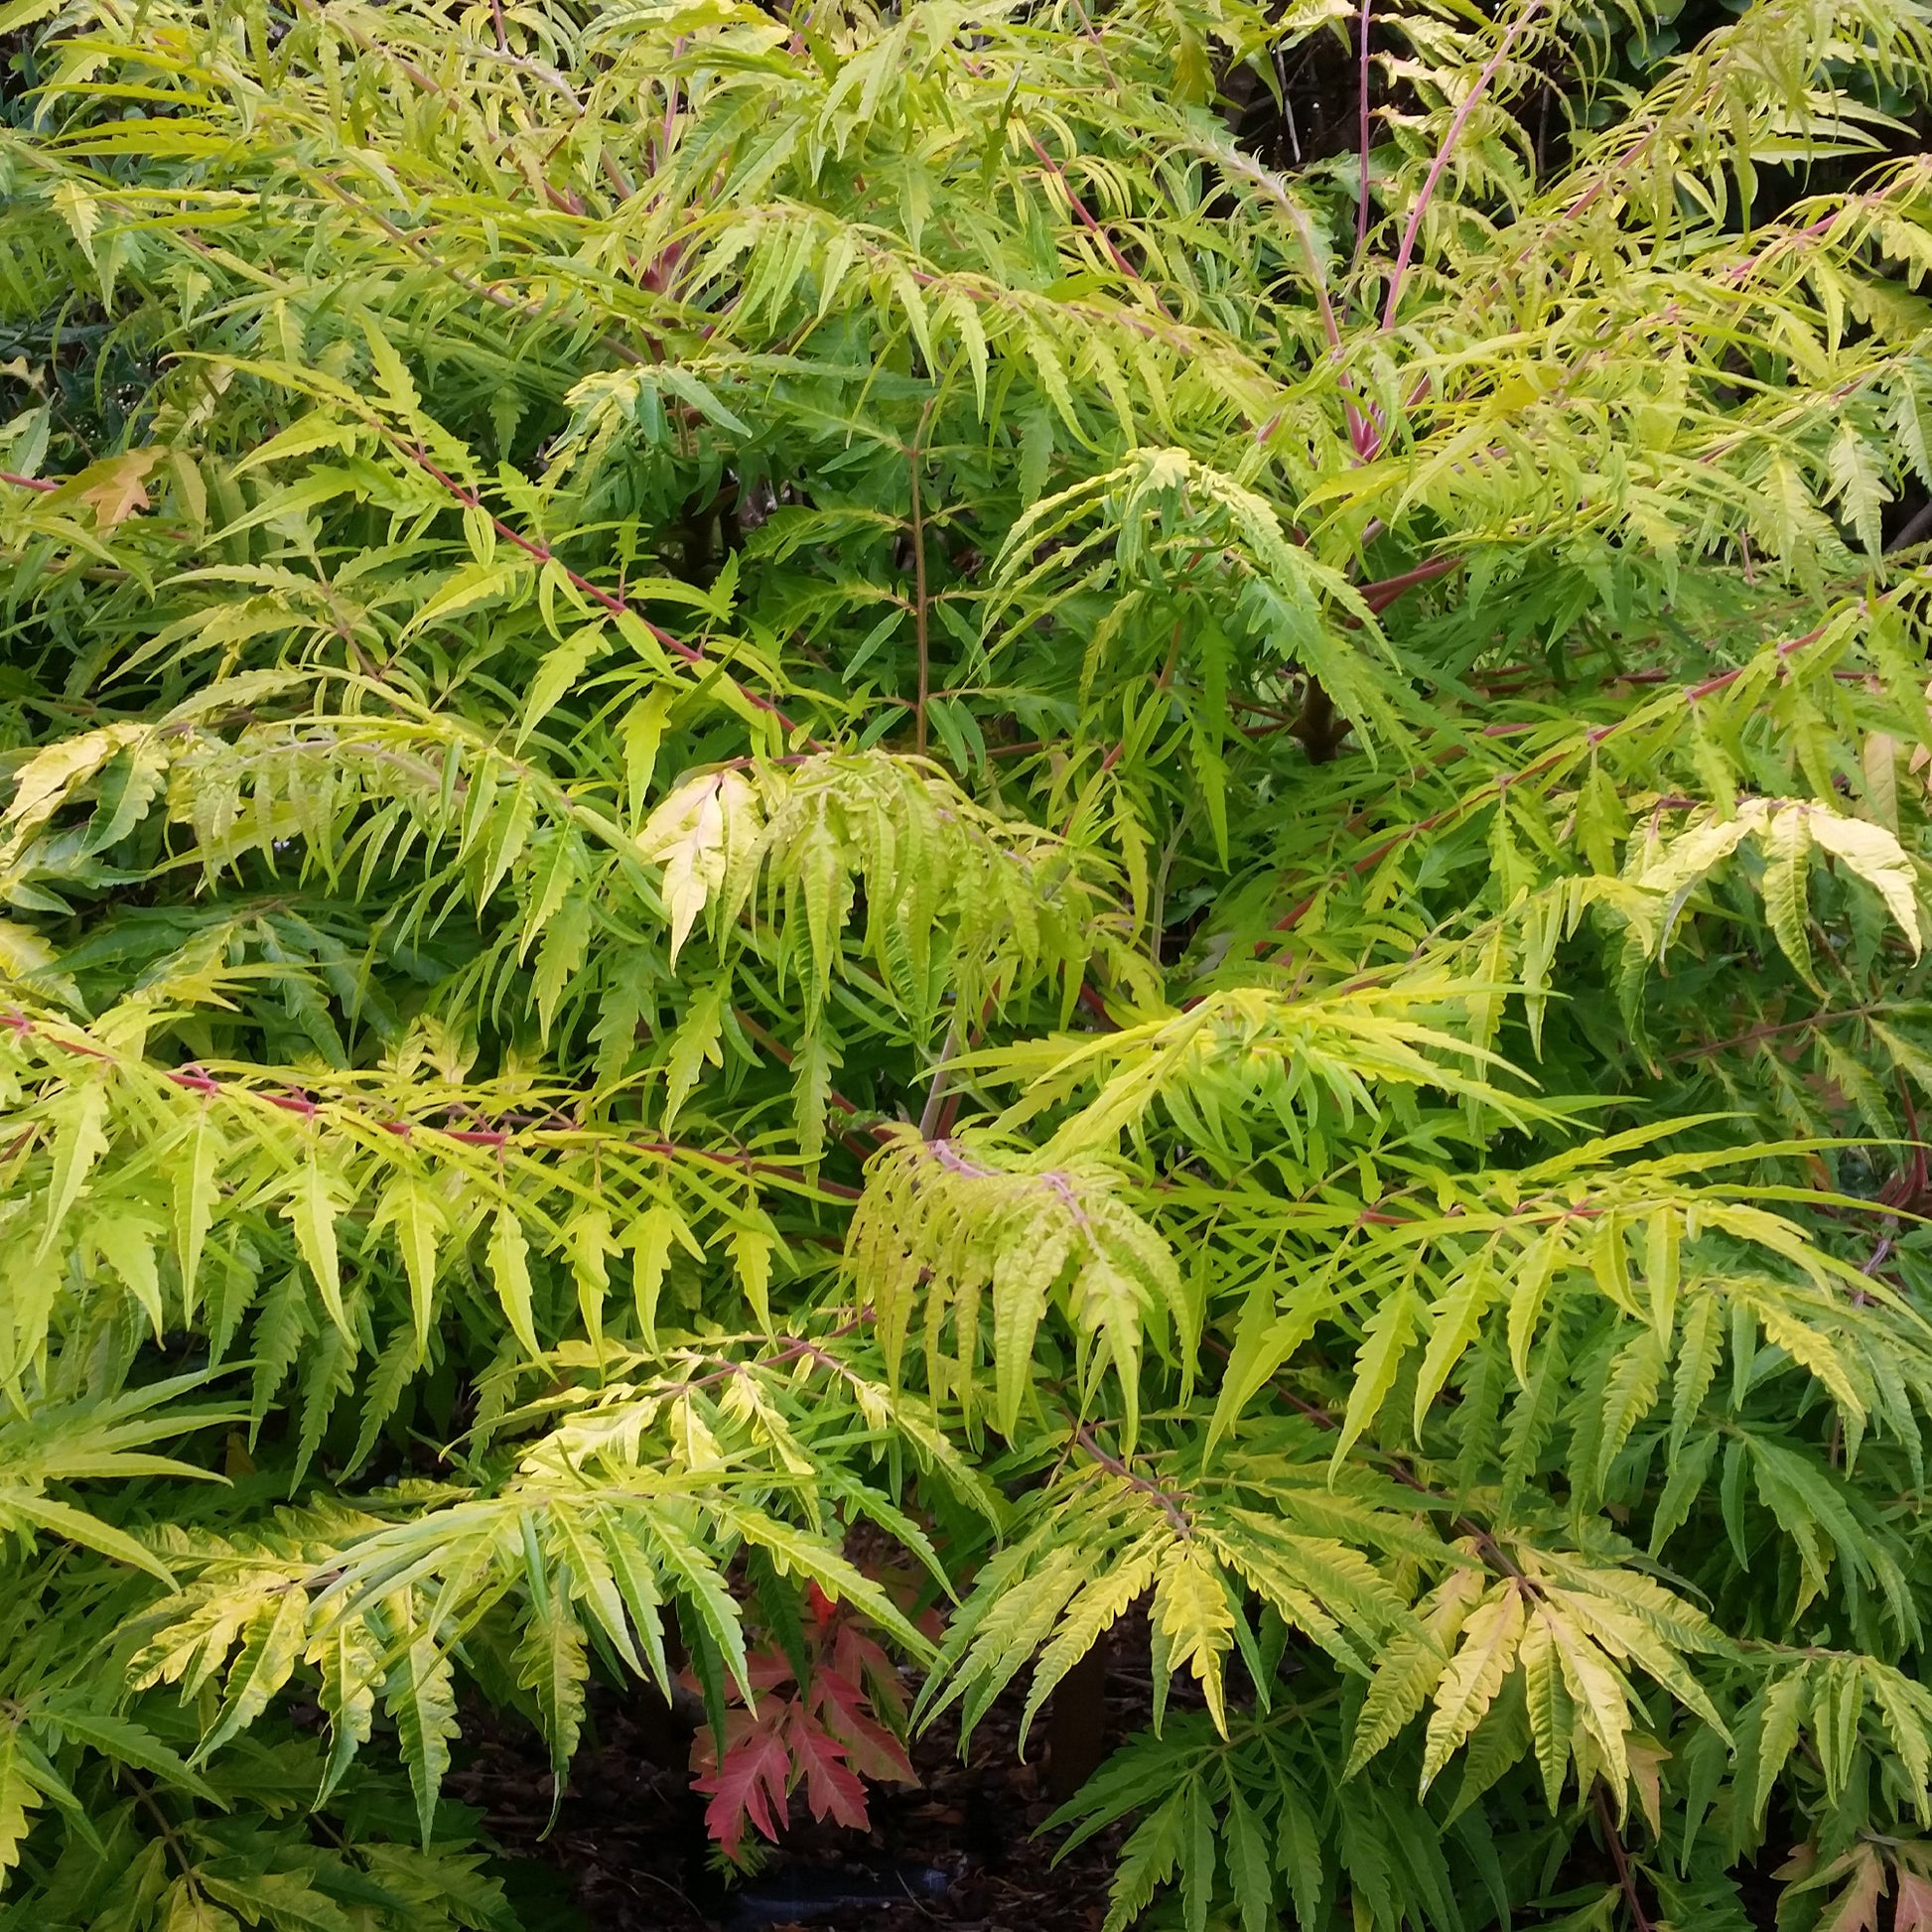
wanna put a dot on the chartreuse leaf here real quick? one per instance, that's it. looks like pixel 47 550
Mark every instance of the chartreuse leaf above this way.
pixel 1485 1656
pixel 1387 1336
pixel 129 1246
pixel 78 1119
pixel 553 1666
pixel 781 793
pixel 272 1642
pixel 1263 1342
pixel 509 1269
pixel 350 1669
pixel 195 1195
pixel 419 1220
pixel 313 1204
pixel 19 1795
pixel 419 1695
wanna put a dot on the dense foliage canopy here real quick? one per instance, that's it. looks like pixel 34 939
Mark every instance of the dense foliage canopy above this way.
pixel 776 773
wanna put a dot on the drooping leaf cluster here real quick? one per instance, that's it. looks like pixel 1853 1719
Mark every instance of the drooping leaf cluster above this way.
pixel 775 775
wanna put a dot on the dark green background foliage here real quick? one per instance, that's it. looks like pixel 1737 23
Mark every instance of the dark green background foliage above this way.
pixel 768 774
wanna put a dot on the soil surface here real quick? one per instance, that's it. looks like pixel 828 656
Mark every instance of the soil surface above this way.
pixel 630 1851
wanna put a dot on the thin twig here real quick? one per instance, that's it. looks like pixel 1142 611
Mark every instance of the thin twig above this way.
pixel 795 1350
pixel 1625 1877
pixel 1710 1049
pixel 1116 1467
pixel 1915 532
pixel 1099 46
pixel 930 1116
pixel 920 605
pixel 145 1798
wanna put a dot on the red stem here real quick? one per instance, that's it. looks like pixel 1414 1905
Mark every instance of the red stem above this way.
pixel 1362 208
pixel 1625 1877
pixel 1378 596
pixel 1441 160
pixel 1099 233
pixel 609 599
pixel 197 1080
pixel 1595 736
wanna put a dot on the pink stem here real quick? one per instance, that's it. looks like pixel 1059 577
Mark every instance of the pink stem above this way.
pixel 1094 227
pixel 1441 160
pixel 197 1080
pixel 617 606
pixel 1378 596
pixel 1362 211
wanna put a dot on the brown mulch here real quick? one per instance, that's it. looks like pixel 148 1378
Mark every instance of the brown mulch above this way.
pixel 630 1851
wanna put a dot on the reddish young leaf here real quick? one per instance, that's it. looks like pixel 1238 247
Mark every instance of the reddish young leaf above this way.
pixel 1915 1909
pixel 751 1783
pixel 768 1669
pixel 871 1749
pixel 1856 1908
pixel 764 1670
pixel 831 1789
pixel 861 1662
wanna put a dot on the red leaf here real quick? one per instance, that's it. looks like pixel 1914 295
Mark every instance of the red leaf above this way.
pixel 768 1669
pixel 871 1749
pixel 874 1751
pixel 856 1658
pixel 1856 1908
pixel 831 1789
pixel 751 1783
pixel 1914 1911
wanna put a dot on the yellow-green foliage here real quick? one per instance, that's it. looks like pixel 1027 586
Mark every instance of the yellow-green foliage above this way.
pixel 773 769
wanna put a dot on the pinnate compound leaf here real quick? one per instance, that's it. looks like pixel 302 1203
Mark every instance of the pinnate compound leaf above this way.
pixel 419 1695
pixel 1193 1619
pixel 747 1786
pixel 278 1898
pixel 832 1792
pixel 553 1666
pixel 1485 1656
